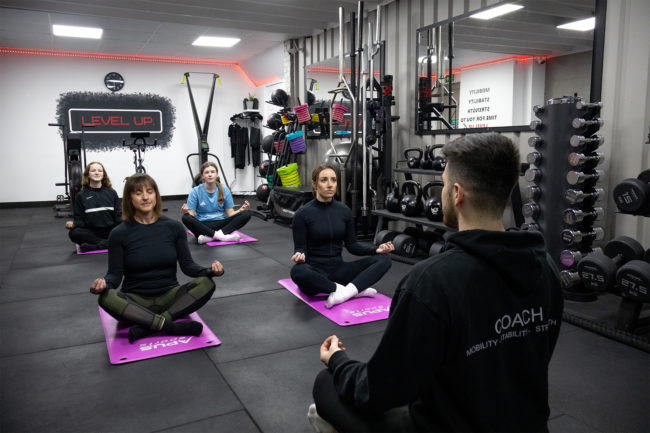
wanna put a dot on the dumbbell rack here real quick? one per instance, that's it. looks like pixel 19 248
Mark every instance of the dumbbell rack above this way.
pixel 550 173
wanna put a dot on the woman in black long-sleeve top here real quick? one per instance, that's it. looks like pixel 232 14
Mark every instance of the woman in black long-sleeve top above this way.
pixel 96 210
pixel 142 256
pixel 320 228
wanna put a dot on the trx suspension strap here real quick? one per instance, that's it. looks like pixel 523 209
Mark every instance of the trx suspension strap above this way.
pixel 202 132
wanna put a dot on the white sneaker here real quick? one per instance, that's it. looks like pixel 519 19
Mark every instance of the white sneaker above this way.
pixel 318 423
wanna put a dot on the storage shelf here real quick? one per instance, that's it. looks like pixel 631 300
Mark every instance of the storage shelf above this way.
pixel 382 213
pixel 418 171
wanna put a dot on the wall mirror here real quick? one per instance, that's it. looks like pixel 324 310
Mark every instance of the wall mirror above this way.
pixel 502 66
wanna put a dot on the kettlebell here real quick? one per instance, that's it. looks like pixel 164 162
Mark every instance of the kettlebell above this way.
pixel 413 161
pixel 426 161
pixel 411 204
pixel 432 203
pixel 392 202
pixel 437 162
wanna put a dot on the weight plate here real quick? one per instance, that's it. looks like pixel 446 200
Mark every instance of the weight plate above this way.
pixel 76 175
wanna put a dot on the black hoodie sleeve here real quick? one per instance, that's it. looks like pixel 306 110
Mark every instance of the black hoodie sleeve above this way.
pixel 79 212
pixel 299 230
pixel 117 208
pixel 400 365
pixel 185 260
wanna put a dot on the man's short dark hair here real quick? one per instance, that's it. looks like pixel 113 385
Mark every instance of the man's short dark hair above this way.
pixel 487 165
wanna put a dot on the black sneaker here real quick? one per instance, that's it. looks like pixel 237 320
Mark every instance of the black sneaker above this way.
pixel 84 248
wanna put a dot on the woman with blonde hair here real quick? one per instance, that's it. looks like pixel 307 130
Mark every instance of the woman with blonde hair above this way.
pixel 96 210
pixel 142 256
pixel 209 212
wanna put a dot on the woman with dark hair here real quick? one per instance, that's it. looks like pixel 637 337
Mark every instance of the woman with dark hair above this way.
pixel 320 228
pixel 96 210
pixel 209 213
pixel 142 256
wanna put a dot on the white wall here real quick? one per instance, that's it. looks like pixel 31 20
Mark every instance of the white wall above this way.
pixel 31 152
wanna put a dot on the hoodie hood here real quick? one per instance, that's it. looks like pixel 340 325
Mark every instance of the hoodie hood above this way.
pixel 504 252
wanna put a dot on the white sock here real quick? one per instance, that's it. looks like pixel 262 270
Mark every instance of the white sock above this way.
pixel 318 423
pixel 220 236
pixel 203 239
pixel 342 294
pixel 367 293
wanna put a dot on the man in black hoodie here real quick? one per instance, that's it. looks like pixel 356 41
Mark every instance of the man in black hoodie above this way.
pixel 471 331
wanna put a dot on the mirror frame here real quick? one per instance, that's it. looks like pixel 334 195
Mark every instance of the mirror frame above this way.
pixel 600 12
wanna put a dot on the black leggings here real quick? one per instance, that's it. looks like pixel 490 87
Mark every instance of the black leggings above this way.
pixel 345 418
pixel 87 235
pixel 151 312
pixel 314 278
pixel 207 228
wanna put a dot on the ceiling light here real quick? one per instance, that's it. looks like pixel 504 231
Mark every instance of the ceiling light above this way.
pixel 497 11
pixel 215 41
pixel 77 32
pixel 581 25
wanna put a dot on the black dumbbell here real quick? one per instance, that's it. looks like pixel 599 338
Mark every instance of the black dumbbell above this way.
pixel 533 175
pixel 587 126
pixel 405 245
pixel 592 106
pixel 533 227
pixel 383 236
pixel 536 125
pixel 570 257
pixel 411 204
pixel 572 237
pixel 633 280
pixel 538 110
pixel 586 161
pixel 586 144
pixel 574 216
pixel 598 271
pixel 424 238
pixel 633 195
pixel 531 210
pixel 432 203
pixel 569 278
pixel 535 141
pixel 574 196
pixel 413 161
pixel 534 158
pixel 533 193
pixel 579 177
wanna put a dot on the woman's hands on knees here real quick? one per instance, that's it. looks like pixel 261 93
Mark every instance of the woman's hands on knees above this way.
pixel 331 345
pixel 98 286
pixel 385 248
pixel 298 257
pixel 217 268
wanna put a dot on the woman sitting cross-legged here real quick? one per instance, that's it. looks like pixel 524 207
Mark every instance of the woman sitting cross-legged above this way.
pixel 320 227
pixel 142 256
pixel 209 213
pixel 96 210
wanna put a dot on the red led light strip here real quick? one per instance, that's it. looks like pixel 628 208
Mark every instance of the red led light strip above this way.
pixel 137 58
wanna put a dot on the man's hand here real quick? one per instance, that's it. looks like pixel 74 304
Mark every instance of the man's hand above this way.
pixel 331 345
pixel 98 286
pixel 298 258
pixel 217 268
pixel 385 248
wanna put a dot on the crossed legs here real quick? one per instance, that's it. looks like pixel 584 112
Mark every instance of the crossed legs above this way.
pixel 152 314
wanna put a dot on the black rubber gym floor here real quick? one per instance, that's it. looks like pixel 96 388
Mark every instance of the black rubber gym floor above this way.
pixel 55 374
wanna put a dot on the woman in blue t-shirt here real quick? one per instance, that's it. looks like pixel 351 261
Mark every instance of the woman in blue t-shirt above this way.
pixel 209 213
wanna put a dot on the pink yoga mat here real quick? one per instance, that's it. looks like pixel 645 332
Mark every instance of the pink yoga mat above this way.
pixel 351 312
pixel 242 238
pixel 120 351
pixel 89 252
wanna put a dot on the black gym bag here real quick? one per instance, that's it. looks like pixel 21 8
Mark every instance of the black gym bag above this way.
pixel 285 202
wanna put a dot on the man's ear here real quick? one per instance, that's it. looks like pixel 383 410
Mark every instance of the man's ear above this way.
pixel 458 194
